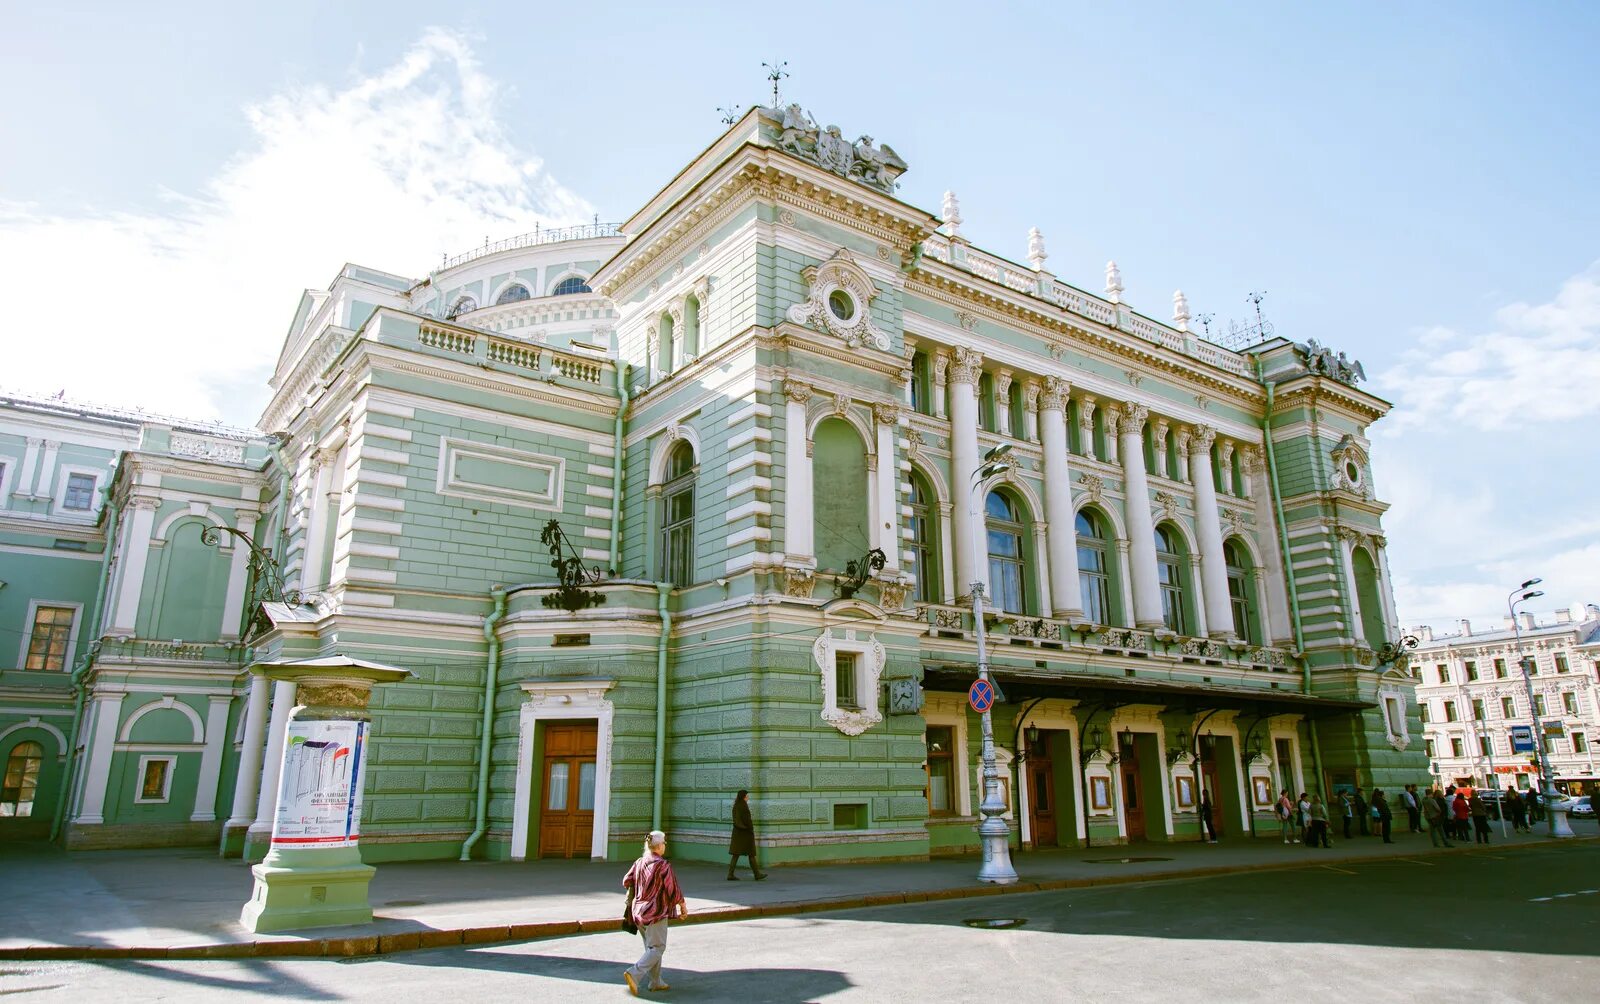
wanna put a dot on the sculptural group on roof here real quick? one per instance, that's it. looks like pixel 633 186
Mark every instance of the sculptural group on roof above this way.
pixel 863 161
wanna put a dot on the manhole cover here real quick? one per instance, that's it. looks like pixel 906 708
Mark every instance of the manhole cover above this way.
pixel 995 923
pixel 1122 861
pixel 404 902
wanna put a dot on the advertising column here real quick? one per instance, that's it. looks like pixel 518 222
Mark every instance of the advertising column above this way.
pixel 313 875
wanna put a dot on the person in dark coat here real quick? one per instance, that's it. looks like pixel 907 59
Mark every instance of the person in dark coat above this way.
pixel 743 841
pixel 1383 816
pixel 1362 815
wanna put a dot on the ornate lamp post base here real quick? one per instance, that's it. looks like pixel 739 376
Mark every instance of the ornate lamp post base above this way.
pixel 313 875
pixel 1559 826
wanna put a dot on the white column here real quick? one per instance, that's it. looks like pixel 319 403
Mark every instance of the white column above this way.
pixel 317 529
pixel 964 371
pixel 23 485
pixel 97 771
pixel 47 466
pixel 1125 578
pixel 205 794
pixel 1203 622
pixel 1041 559
pixel 1391 620
pixel 247 784
pixel 238 572
pixel 888 521
pixel 1141 527
pixel 798 530
pixel 277 731
pixel 1208 526
pixel 135 553
pixel 947 570
pixel 1277 584
pixel 1065 594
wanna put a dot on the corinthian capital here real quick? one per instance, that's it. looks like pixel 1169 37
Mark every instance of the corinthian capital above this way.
pixel 1134 416
pixel 1255 462
pixel 1202 438
pixel 966 366
pixel 1055 394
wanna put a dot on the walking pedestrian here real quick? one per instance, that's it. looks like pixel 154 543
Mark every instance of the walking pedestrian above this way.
pixel 1286 817
pixel 1319 823
pixel 1480 818
pixel 1205 816
pixel 1433 808
pixel 1303 817
pixel 1382 814
pixel 1449 811
pixel 1408 798
pixel 1519 811
pixel 1460 811
pixel 1349 812
pixel 1362 814
pixel 743 841
pixel 656 899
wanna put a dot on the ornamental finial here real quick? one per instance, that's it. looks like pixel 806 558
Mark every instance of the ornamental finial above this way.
pixel 952 215
pixel 1113 282
pixel 1180 310
pixel 1036 253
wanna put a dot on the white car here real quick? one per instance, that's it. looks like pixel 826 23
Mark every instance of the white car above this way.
pixel 1581 807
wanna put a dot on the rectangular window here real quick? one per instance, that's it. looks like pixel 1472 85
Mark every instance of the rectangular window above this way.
pixel 155 778
pixel 1580 743
pixel 1499 669
pixel 1444 674
pixel 47 644
pixel 941 773
pixel 1427 745
pixel 1561 664
pixel 1450 711
pixel 844 681
pixel 1483 746
pixel 677 534
pixel 1472 670
pixel 80 493
pixel 1569 702
pixel 1456 748
pixel 1477 710
pixel 851 816
pixel 1422 709
pixel 1508 708
pixel 1538 705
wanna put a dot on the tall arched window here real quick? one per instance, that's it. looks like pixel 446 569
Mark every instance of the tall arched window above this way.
pixel 1094 579
pixel 1172 575
pixel 840 494
pixel 1366 575
pixel 569 286
pixel 461 306
pixel 21 780
pixel 925 539
pixel 1242 592
pixel 1007 581
pixel 514 293
pixel 677 517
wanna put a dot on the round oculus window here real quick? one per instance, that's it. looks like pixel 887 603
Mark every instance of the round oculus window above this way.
pixel 1352 473
pixel 841 304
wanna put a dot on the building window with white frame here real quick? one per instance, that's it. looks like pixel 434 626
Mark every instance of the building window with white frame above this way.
pixel 923 544
pixel 155 779
pixel 1094 581
pixel 1508 708
pixel 1485 748
pixel 21 780
pixel 79 494
pixel 1580 743
pixel 846 691
pixel 677 517
pixel 1170 574
pixel 570 287
pixel 1569 703
pixel 49 637
pixel 1457 749
pixel 1007 578
pixel 941 770
pixel 514 293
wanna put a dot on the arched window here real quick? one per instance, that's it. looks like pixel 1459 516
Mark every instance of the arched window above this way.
pixel 1007 583
pixel 1367 595
pixel 1242 592
pixel 840 493
pixel 1094 579
pixel 569 286
pixel 21 780
pixel 1172 575
pixel 514 293
pixel 461 306
pixel 925 539
pixel 677 517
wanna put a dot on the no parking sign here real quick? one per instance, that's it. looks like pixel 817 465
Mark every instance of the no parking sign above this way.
pixel 980 695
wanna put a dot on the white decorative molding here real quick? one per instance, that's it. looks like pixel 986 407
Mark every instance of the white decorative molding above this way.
pixel 563 700
pixel 838 300
pixel 456 482
pixel 869 668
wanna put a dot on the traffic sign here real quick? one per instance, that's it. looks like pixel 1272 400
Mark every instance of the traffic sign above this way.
pixel 980 695
pixel 1522 739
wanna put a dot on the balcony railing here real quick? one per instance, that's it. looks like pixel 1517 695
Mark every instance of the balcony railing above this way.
pixel 533 238
pixel 527 356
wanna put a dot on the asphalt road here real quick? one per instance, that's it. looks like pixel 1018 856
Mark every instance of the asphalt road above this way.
pixel 1519 925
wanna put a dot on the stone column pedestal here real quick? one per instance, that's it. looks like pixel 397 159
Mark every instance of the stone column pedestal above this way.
pixel 313 875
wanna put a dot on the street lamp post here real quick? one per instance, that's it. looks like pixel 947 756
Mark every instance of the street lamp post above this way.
pixel 1555 818
pixel 993 832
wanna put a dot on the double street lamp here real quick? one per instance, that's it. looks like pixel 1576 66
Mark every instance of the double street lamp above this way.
pixel 993 833
pixel 1555 818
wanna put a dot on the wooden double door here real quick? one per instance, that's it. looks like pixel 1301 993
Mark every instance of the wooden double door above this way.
pixel 1132 787
pixel 566 813
pixel 1042 799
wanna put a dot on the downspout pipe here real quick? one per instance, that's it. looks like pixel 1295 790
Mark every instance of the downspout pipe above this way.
pixel 663 593
pixel 616 469
pixel 1288 565
pixel 113 511
pixel 491 680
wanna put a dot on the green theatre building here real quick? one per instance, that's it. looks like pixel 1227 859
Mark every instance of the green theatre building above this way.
pixel 754 410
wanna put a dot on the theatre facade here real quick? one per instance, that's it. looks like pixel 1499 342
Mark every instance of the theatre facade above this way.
pixel 743 426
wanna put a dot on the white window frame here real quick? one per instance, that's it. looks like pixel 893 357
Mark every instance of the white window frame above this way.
pixel 954 717
pixel 166 788
pixel 870 658
pixel 64 473
pixel 27 632
pixel 8 474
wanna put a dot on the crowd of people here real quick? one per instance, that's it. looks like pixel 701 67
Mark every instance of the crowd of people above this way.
pixel 1449 813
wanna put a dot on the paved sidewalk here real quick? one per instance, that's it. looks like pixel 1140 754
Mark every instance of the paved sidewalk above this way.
pixel 185 903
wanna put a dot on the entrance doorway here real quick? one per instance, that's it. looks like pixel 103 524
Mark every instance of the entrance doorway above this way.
pixel 1041 796
pixel 566 814
pixel 1210 783
pixel 1132 791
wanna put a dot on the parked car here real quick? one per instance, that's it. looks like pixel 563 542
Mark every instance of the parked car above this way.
pixel 1581 807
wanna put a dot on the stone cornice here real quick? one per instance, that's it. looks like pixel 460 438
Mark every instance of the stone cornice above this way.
pixel 1311 391
pixel 797 337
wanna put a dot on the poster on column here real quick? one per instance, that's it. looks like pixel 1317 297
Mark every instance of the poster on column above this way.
pixel 319 792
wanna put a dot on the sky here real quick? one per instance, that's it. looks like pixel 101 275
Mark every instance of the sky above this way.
pixel 1412 184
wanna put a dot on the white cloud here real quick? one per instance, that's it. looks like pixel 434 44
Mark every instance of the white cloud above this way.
pixel 183 311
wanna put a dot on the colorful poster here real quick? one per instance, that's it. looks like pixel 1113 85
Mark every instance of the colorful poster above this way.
pixel 319 792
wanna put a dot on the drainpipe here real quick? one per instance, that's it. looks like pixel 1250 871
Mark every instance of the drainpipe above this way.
pixel 491 679
pixel 82 668
pixel 616 469
pixel 664 590
pixel 1288 562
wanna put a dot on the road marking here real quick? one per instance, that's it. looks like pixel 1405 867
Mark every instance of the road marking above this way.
pixel 1417 862
pixel 1341 871
pixel 1564 895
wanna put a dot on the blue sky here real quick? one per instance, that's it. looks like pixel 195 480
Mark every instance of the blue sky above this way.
pixel 1414 184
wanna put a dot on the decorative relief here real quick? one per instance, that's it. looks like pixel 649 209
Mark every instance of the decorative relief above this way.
pixel 796 391
pixel 1054 394
pixel 1135 378
pixel 1167 504
pixel 786 217
pixel 873 166
pixel 1349 467
pixel 839 295
pixel 886 413
pixel 1203 648
pixel 798 582
pixel 1233 520
pixel 891 594
pixel 1203 438
pixel 946 618
pixel 966 366
pixel 841 404
pixel 1030 395
pixel 332 695
pixel 1094 486
pixel 968 322
pixel 1321 361
pixel 1255 461
pixel 870 659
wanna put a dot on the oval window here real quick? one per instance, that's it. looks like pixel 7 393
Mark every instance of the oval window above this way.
pixel 842 306
pixel 1352 473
